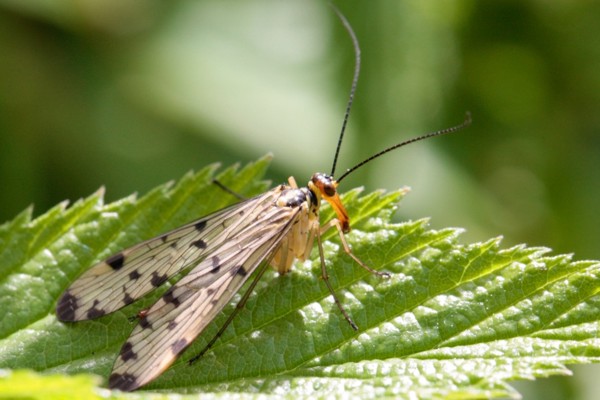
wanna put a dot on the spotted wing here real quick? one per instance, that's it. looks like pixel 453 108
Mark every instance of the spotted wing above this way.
pixel 183 312
pixel 133 272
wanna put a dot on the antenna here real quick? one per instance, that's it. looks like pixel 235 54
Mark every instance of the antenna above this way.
pixel 354 82
pixel 464 124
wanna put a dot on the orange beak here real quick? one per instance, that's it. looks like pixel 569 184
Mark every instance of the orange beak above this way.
pixel 339 209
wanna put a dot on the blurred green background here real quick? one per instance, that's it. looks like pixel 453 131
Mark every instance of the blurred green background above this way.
pixel 130 93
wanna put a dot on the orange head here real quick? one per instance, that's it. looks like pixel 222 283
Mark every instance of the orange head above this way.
pixel 326 187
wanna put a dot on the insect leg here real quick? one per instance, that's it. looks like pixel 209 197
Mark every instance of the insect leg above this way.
pixel 335 222
pixel 233 314
pixel 231 192
pixel 292 182
pixel 326 279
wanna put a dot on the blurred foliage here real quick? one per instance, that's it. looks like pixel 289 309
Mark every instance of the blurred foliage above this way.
pixel 130 94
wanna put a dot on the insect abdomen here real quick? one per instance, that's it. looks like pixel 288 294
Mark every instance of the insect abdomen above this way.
pixel 297 243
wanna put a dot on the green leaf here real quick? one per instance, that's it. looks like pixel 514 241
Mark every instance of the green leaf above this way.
pixel 452 320
pixel 29 385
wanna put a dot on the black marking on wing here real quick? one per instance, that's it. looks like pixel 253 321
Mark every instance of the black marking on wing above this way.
pixel 127 299
pixel 127 352
pixel 172 325
pixel 144 323
pixel 95 312
pixel 124 382
pixel 169 298
pixel 201 244
pixel 116 261
pixel 192 303
pixel 65 309
pixel 178 346
pixel 200 225
pixel 133 272
pixel 157 279
pixel 134 275
pixel 216 264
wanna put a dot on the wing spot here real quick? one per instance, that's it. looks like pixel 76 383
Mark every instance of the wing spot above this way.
pixel 124 382
pixel 127 352
pixel 116 261
pixel 65 309
pixel 172 325
pixel 170 299
pixel 200 225
pixel 157 279
pixel 241 271
pixel 95 312
pixel 201 244
pixel 216 265
pixel 144 323
pixel 134 275
pixel 179 345
pixel 127 299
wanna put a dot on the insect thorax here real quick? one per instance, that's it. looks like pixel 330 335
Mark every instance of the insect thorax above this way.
pixel 296 197
pixel 297 243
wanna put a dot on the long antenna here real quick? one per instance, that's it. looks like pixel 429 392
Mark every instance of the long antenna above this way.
pixel 354 82
pixel 446 131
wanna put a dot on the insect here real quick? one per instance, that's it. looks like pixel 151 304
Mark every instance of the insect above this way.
pixel 221 251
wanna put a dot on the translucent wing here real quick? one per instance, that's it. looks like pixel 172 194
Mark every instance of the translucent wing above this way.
pixel 173 322
pixel 133 272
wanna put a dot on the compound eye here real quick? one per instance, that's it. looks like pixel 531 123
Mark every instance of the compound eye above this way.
pixel 325 183
pixel 326 186
pixel 329 189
